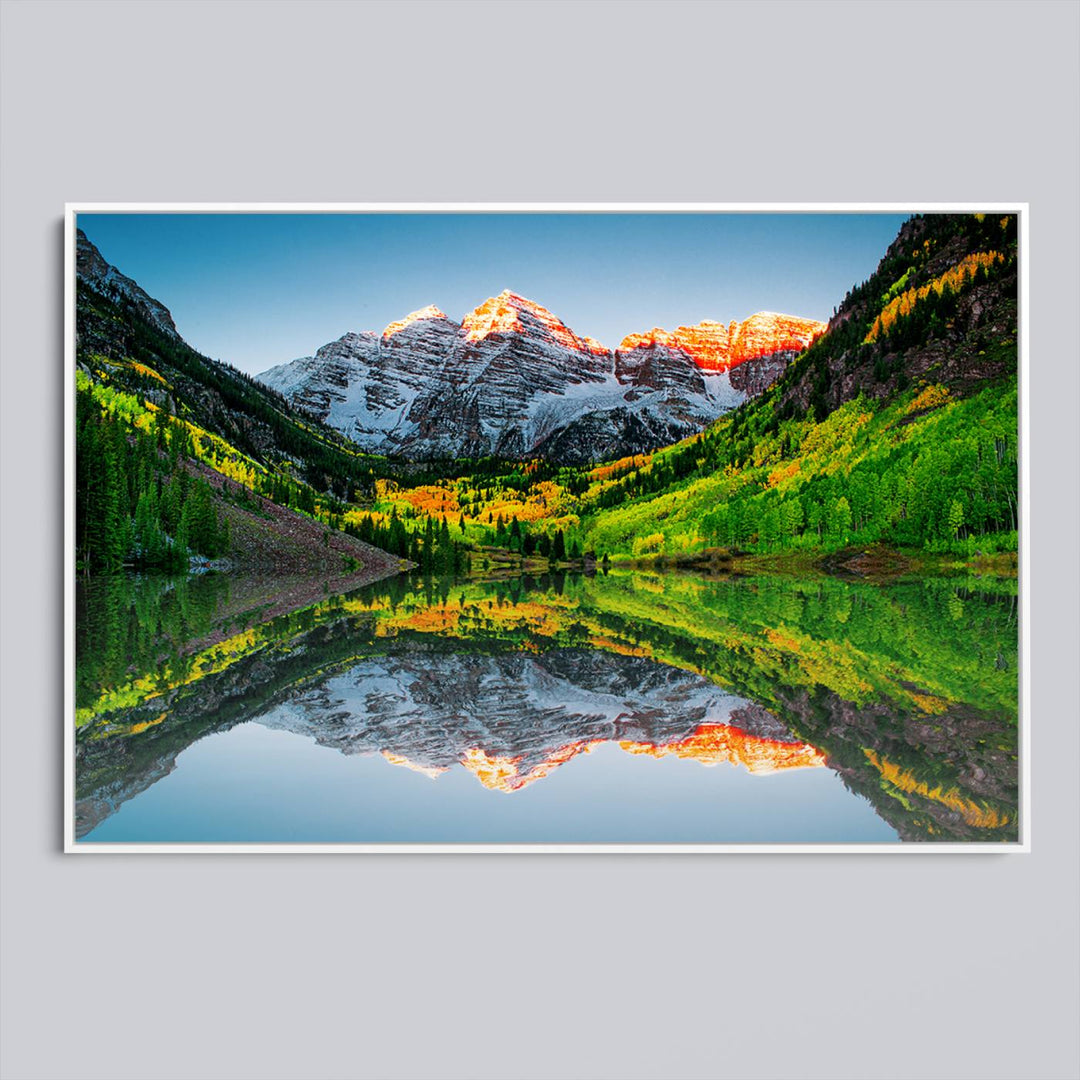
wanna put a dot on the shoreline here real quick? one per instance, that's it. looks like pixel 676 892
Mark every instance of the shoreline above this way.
pixel 873 563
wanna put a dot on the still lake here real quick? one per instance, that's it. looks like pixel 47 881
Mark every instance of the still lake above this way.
pixel 625 707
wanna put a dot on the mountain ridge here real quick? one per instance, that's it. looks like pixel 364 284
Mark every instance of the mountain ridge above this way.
pixel 94 270
pixel 126 338
pixel 511 379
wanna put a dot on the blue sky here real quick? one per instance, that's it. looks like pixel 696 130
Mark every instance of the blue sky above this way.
pixel 260 289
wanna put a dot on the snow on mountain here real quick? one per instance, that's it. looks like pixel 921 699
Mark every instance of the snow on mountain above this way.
pixel 430 711
pixel 513 380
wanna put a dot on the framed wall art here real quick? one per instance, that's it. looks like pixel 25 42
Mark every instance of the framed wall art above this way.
pixel 546 528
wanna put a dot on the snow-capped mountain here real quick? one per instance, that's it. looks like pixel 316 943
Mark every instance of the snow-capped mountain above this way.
pixel 511 379
pixel 433 711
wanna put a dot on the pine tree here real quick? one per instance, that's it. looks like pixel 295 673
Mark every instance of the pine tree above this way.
pixel 428 560
pixel 111 519
pixel 558 547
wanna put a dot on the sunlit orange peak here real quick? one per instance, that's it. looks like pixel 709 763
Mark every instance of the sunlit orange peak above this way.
pixel 499 773
pixel 502 315
pixel 430 771
pixel 715 744
pixel 655 336
pixel 716 347
pixel 429 312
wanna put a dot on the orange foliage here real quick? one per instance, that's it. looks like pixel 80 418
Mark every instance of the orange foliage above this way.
pixel 542 619
pixel 626 464
pixel 783 472
pixel 934 706
pixel 432 620
pixel 137 729
pixel 783 641
pixel 434 500
pixel 930 398
pixel 620 647
pixel 979 816
pixel 952 280
pixel 149 372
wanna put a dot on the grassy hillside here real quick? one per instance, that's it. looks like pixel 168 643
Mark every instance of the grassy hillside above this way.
pixel 921 471
pixel 116 344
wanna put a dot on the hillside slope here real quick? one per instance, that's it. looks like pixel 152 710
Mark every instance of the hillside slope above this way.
pixel 940 307
pixel 127 338
pixel 180 457
pixel 898 425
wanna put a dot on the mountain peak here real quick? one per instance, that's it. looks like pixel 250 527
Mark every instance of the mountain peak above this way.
pixel 425 313
pixel 716 347
pixel 656 336
pixel 512 313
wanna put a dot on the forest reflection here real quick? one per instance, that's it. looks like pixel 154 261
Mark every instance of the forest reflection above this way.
pixel 907 691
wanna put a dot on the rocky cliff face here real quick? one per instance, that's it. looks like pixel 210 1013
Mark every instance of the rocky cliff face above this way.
pixel 513 380
pixel 753 377
pixel 716 347
pixel 92 268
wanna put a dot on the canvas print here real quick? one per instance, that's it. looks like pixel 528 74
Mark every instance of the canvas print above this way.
pixel 561 528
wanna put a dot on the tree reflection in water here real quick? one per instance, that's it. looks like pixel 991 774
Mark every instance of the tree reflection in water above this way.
pixel 907 690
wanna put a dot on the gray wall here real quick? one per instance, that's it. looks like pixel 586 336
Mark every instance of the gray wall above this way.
pixel 317 967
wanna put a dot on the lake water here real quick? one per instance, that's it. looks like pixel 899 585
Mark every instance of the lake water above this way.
pixel 625 707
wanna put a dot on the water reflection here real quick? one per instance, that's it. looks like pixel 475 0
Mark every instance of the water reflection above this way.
pixel 905 694
pixel 512 718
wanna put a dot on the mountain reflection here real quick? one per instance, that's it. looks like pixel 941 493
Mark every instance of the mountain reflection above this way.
pixel 512 718
pixel 907 692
